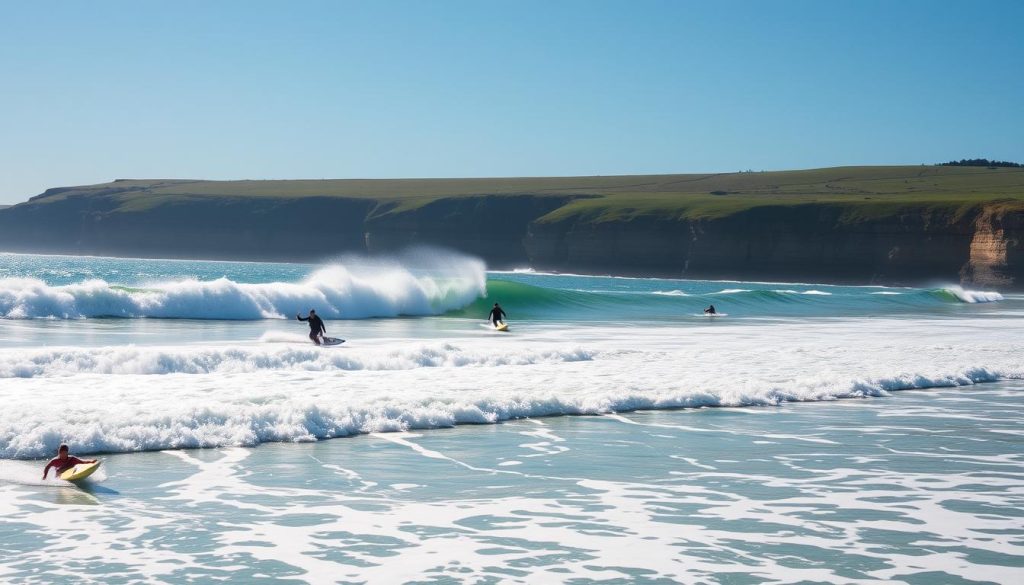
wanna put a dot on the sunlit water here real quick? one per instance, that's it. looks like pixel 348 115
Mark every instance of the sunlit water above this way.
pixel 868 435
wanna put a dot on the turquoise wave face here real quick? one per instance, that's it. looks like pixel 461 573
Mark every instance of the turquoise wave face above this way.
pixel 439 284
pixel 563 297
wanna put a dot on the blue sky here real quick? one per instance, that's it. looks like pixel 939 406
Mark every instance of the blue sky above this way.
pixel 221 90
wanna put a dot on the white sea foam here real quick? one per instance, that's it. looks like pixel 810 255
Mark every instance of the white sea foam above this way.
pixel 49 363
pixel 115 399
pixel 973 296
pixel 670 293
pixel 419 283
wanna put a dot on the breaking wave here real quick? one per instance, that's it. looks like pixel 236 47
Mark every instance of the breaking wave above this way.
pixel 960 294
pixel 254 412
pixel 530 301
pixel 48 363
pixel 418 283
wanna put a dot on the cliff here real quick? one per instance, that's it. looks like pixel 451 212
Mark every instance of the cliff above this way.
pixel 891 225
pixel 808 243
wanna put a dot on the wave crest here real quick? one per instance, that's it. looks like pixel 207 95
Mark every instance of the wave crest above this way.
pixel 422 282
pixel 322 408
pixel 159 361
pixel 963 295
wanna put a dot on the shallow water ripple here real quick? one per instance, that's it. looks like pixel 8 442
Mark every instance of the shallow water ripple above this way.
pixel 853 492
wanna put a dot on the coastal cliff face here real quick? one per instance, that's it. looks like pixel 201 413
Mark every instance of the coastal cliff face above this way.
pixel 880 225
pixel 213 228
pixel 997 250
pixel 491 227
pixel 811 242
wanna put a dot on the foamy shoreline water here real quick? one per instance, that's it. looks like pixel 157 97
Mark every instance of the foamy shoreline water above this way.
pixel 651 486
pixel 208 397
pixel 917 487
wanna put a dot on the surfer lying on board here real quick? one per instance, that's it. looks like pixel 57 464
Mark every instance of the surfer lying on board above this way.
pixel 316 326
pixel 62 462
pixel 710 310
pixel 496 315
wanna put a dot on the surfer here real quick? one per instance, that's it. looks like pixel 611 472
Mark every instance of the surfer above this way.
pixel 62 462
pixel 316 326
pixel 497 314
pixel 710 310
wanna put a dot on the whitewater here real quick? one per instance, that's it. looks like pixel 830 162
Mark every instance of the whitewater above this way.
pixel 146 355
pixel 614 434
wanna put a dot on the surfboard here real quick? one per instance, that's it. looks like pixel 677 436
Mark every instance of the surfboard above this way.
pixel 80 471
pixel 501 327
pixel 332 341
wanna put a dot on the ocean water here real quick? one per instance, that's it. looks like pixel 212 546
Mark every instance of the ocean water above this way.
pixel 864 435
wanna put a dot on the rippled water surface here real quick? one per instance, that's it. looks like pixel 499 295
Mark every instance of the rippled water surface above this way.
pixel 812 433
pixel 920 487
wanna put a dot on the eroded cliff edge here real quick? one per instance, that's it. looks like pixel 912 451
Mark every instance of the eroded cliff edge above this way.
pixel 880 225
pixel 979 245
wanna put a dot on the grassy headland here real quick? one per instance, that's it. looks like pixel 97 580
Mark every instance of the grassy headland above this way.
pixel 867 191
pixel 875 224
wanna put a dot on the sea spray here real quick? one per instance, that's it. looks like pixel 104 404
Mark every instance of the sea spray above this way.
pixel 968 296
pixel 418 282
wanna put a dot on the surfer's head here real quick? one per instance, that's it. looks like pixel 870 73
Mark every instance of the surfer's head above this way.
pixel 495 304
pixel 62 450
pixel 312 311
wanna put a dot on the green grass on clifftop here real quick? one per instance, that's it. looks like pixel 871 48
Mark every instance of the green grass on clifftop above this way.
pixel 863 192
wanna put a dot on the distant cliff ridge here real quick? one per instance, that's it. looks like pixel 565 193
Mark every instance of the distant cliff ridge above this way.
pixel 884 225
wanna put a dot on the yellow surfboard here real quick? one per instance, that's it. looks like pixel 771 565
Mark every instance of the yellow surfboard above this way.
pixel 80 471
pixel 502 327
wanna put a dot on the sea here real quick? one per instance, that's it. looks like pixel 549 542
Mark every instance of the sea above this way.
pixel 808 433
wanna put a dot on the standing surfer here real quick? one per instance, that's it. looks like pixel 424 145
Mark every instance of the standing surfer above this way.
pixel 497 314
pixel 710 310
pixel 316 326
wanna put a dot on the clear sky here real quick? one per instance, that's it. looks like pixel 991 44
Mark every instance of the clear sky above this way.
pixel 93 91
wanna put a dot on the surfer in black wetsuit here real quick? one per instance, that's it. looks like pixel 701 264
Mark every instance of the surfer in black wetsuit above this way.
pixel 316 326
pixel 710 310
pixel 496 315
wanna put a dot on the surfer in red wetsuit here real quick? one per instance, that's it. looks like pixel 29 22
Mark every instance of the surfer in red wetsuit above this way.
pixel 62 462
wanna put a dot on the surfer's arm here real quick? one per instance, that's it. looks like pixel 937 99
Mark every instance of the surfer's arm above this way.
pixel 46 469
pixel 302 318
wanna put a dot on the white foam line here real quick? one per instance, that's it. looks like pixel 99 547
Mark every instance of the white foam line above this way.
pixel 401 438
pixel 629 421
pixel 626 420
pixel 795 438
pixel 546 445
pixel 694 462
pixel 338 469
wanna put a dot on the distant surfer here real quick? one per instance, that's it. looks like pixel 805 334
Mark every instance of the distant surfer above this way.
pixel 316 326
pixel 63 462
pixel 710 310
pixel 497 315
